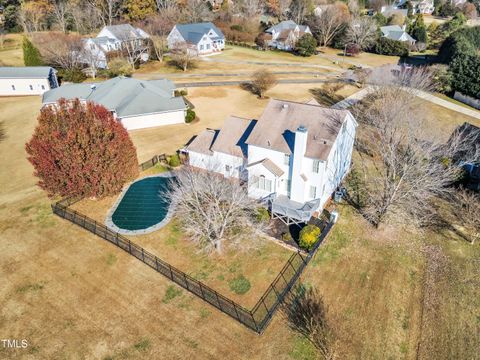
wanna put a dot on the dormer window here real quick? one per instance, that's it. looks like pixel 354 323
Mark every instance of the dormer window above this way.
pixel 316 166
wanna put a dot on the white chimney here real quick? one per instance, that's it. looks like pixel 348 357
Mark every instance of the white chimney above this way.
pixel 300 147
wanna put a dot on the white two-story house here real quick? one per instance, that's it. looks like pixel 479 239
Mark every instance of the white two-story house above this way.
pixel 285 34
pixel 293 157
pixel 114 38
pixel 200 38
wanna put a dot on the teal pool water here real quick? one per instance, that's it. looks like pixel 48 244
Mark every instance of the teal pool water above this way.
pixel 143 205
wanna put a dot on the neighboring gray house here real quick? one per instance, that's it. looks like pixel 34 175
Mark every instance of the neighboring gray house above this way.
pixel 200 38
pixel 115 38
pixel 395 32
pixel 28 80
pixel 137 104
pixel 285 34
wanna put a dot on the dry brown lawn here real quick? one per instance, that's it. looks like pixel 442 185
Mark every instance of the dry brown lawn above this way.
pixel 11 54
pixel 73 295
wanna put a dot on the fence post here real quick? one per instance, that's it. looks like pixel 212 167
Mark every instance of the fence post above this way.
pixel 129 246
pixel 185 279
pixel 218 300
pixel 116 238
pixel 143 255
pixel 156 263
pixel 171 272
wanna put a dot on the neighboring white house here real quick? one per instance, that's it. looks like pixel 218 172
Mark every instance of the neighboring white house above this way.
pixel 293 157
pixel 137 104
pixel 395 32
pixel 115 38
pixel 29 80
pixel 200 38
pixel 285 34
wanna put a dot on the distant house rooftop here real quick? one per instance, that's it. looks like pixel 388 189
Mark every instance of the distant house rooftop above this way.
pixel 395 32
pixel 193 33
pixel 125 96
pixel 25 72
pixel 125 31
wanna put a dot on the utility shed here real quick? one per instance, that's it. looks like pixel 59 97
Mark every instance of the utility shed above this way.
pixel 28 80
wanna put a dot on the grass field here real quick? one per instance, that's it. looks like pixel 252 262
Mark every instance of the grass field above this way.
pixel 11 54
pixel 259 266
pixel 73 295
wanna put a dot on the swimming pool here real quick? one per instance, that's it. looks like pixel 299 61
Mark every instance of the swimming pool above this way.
pixel 142 207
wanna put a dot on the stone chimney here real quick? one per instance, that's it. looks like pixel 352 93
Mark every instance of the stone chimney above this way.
pixel 299 149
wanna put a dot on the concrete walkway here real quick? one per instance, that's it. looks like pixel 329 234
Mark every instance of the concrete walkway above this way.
pixel 353 99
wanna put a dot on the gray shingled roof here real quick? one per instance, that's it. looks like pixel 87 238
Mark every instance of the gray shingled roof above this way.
pixel 284 25
pixel 126 96
pixel 395 32
pixel 27 72
pixel 124 31
pixel 276 127
pixel 193 33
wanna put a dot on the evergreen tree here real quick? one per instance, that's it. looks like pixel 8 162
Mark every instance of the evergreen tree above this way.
pixel 31 55
pixel 306 45
pixel 419 30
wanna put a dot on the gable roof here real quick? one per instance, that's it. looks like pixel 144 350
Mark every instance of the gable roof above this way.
pixel 269 165
pixel 231 138
pixel 395 32
pixel 125 31
pixel 193 33
pixel 126 96
pixel 203 142
pixel 276 127
pixel 283 25
pixel 25 72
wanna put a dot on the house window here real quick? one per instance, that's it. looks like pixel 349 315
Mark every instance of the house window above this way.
pixel 286 159
pixel 264 184
pixel 288 185
pixel 313 192
pixel 31 87
pixel 92 46
pixel 43 87
pixel 13 87
pixel 208 46
pixel 227 168
pixel 316 166
pixel 201 47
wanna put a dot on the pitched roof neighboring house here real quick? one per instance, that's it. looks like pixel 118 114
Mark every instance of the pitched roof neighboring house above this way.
pixel 230 139
pixel 125 32
pixel 389 10
pixel 395 32
pixel 193 33
pixel 269 165
pixel 276 127
pixel 26 72
pixel 126 96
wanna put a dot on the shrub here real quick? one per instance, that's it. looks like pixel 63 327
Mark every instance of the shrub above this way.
pixel 174 160
pixel 81 150
pixel 309 236
pixel 239 285
pixel 306 45
pixel 190 116
pixel 75 75
pixel 119 67
pixel 262 215
pixel 31 55
pixel 390 47
pixel 236 27
pixel 353 50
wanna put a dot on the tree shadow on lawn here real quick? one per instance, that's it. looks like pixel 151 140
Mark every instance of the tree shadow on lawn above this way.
pixel 3 133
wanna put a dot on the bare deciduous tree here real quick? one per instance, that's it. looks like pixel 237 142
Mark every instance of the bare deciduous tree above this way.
pixel 306 312
pixel 403 166
pixel 109 9
pixel 251 8
pixel 212 208
pixel 329 23
pixel 61 50
pixel 166 4
pixel 61 10
pixel 467 210
pixel 262 80
pixel 197 11
pixel 299 9
pixel 86 16
pixel 361 31
pixel 159 26
pixel 183 56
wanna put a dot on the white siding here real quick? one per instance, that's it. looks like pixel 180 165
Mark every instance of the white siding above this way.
pixel 22 87
pixel 152 120
pixel 218 162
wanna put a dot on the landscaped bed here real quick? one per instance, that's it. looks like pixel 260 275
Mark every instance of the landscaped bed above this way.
pixel 241 275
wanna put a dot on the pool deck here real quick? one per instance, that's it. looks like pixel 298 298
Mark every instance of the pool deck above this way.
pixel 110 224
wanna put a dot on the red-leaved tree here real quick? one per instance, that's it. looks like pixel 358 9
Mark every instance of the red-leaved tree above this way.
pixel 80 149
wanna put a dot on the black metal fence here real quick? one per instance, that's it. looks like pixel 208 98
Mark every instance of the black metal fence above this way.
pixel 152 162
pixel 256 319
